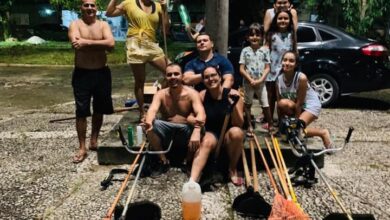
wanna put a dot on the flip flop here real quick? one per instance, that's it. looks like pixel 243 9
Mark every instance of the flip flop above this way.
pixel 265 126
pixel 260 119
pixel 237 181
pixel 78 158
pixel 249 134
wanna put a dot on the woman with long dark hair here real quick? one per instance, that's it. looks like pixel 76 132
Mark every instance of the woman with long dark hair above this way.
pixel 216 100
pixel 280 38
pixel 297 99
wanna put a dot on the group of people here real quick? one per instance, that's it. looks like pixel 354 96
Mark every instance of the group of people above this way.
pixel 192 108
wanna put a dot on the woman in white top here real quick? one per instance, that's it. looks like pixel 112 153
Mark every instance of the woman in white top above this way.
pixel 297 99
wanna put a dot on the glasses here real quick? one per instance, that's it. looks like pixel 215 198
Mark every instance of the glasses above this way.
pixel 170 74
pixel 211 75
pixel 86 5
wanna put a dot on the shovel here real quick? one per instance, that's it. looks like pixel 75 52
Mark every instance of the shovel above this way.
pixel 144 210
pixel 147 210
pixel 123 186
pixel 251 203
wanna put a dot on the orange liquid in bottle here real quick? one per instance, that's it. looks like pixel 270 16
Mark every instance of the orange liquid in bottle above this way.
pixel 191 210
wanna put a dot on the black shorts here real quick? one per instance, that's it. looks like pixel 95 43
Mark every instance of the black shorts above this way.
pixel 92 83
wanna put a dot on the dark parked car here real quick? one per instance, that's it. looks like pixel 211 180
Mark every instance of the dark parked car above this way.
pixel 52 31
pixel 337 63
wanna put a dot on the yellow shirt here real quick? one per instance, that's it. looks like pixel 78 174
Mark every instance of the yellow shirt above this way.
pixel 140 22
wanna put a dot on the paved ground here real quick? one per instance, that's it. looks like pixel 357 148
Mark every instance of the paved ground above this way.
pixel 38 180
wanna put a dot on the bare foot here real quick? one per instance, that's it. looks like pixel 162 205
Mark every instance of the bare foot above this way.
pixel 93 146
pixel 236 179
pixel 80 156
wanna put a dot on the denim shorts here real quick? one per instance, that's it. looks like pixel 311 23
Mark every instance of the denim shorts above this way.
pixel 167 131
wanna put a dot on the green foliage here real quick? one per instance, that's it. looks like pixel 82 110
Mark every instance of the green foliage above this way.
pixel 360 15
pixel 311 3
pixel 61 53
pixel 5 7
pixel 75 4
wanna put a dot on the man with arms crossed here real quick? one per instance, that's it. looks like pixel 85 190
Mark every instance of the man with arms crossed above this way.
pixel 90 38
pixel 182 117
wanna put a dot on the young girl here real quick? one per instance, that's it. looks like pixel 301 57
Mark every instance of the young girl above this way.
pixel 281 38
pixel 254 67
pixel 297 99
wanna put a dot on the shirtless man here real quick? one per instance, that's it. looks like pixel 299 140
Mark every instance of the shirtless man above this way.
pixel 90 38
pixel 182 117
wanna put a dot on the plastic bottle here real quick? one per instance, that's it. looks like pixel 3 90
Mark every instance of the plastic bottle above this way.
pixel 191 201
pixel 139 135
pixel 130 136
pixel 185 18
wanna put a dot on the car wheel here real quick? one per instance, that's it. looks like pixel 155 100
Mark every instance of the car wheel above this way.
pixel 326 87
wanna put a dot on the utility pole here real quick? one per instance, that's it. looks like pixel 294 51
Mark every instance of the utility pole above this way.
pixel 217 23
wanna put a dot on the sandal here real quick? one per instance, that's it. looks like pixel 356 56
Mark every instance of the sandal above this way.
pixel 249 134
pixel 260 119
pixel 265 126
pixel 78 158
pixel 237 181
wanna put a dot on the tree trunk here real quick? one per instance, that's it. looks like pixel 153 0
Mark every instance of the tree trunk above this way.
pixel 363 8
pixel 5 25
pixel 217 23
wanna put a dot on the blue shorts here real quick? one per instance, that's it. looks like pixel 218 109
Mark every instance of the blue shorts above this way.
pixel 95 83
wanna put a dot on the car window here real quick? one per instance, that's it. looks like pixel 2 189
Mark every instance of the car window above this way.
pixel 325 36
pixel 305 34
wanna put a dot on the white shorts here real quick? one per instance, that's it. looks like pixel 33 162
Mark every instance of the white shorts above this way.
pixel 142 50
pixel 260 91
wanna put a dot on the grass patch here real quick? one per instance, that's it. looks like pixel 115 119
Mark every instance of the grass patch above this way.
pixel 61 53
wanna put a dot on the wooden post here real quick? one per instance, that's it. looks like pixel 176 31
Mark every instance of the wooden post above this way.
pixel 217 24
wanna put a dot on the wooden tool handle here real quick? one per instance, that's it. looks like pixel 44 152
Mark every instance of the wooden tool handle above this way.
pixel 254 169
pixel 246 169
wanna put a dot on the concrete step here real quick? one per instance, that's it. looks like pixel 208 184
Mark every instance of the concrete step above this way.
pixel 165 190
pixel 112 152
